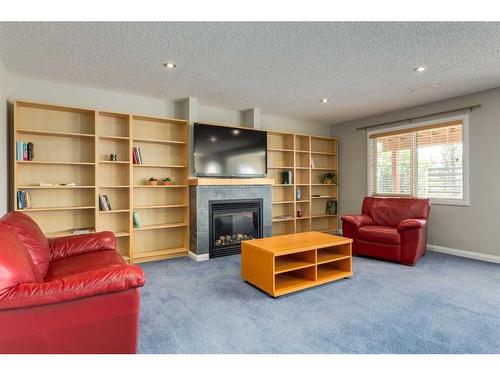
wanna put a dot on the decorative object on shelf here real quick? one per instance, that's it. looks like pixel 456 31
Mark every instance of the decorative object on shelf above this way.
pixel 299 213
pixel 312 162
pixel 298 193
pixel 23 199
pixel 136 219
pixel 329 178
pixel 331 207
pixel 153 181
pixel 113 157
pixel 25 150
pixel 167 181
pixel 287 177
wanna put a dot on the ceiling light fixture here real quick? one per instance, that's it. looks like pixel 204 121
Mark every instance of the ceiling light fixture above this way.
pixel 420 69
pixel 325 100
pixel 169 65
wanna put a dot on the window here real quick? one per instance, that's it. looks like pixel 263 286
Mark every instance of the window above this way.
pixel 425 160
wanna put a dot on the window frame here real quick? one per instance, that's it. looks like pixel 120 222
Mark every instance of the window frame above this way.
pixel 465 201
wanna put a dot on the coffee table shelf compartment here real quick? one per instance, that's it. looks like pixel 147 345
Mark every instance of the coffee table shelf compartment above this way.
pixel 295 280
pixel 290 262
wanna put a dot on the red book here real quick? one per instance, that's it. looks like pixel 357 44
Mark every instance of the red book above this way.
pixel 134 157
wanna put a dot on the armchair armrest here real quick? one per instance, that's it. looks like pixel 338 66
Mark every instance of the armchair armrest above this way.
pixel 111 279
pixel 357 220
pixel 409 224
pixel 64 247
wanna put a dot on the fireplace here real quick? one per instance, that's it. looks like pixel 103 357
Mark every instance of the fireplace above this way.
pixel 233 221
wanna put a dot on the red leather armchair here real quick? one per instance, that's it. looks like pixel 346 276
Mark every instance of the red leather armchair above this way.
pixel 389 228
pixel 68 295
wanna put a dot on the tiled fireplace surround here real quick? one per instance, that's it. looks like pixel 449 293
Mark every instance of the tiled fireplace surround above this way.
pixel 199 198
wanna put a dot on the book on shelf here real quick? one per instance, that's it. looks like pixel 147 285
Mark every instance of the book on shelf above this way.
pixel 136 219
pixel 23 199
pixel 25 150
pixel 82 230
pixel 136 155
pixel 104 203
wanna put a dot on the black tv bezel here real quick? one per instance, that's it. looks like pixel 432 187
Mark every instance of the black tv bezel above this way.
pixel 201 174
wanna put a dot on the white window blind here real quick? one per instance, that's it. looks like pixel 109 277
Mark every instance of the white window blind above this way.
pixel 426 161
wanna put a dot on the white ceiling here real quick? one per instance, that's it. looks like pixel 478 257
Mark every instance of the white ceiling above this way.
pixel 283 68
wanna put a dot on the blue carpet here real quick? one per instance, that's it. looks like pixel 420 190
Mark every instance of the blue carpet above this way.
pixel 444 304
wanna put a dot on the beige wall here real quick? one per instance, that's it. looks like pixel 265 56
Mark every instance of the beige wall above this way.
pixel 473 228
pixel 4 86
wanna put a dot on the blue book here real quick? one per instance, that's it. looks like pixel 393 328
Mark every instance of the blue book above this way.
pixel 19 147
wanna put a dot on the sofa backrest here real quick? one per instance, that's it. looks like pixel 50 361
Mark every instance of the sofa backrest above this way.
pixel 31 236
pixel 391 211
pixel 16 266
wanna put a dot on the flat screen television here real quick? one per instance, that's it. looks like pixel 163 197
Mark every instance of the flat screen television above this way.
pixel 221 151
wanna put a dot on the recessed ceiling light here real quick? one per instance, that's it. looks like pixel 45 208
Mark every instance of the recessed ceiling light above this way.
pixel 169 65
pixel 420 69
pixel 325 100
pixel 235 131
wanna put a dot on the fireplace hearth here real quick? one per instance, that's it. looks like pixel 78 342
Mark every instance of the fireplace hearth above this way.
pixel 233 221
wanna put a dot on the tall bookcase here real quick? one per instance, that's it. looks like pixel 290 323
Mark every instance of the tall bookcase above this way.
pixel 73 145
pixel 308 158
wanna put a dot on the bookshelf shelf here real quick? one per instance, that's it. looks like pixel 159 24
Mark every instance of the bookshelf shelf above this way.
pixel 36 209
pixel 27 187
pixel 161 226
pixel 84 140
pixel 308 158
pixel 121 234
pixel 159 166
pixel 25 162
pixel 55 134
pixel 144 256
pixel 114 138
pixel 160 206
pixel 160 186
pixel 159 141
pixel 113 211
pixel 113 162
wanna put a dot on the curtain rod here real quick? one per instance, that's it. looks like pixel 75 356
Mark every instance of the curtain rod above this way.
pixel 410 119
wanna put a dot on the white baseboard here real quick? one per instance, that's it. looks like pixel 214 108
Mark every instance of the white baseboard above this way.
pixel 198 257
pixel 464 253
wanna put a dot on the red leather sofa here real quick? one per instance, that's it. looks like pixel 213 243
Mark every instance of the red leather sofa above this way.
pixel 389 228
pixel 67 295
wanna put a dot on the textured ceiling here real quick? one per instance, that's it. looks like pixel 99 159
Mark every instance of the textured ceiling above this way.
pixel 283 68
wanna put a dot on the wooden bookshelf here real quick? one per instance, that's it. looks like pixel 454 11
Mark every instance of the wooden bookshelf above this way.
pixel 74 145
pixel 163 209
pixel 308 158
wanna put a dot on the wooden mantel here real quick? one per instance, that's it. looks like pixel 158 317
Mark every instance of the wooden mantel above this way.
pixel 230 181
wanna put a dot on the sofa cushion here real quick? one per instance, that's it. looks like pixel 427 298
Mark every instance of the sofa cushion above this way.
pixel 16 266
pixel 380 234
pixel 83 263
pixel 31 236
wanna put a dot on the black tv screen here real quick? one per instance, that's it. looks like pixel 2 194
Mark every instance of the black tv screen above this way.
pixel 221 151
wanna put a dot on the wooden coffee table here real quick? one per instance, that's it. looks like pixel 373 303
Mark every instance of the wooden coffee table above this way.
pixel 284 264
